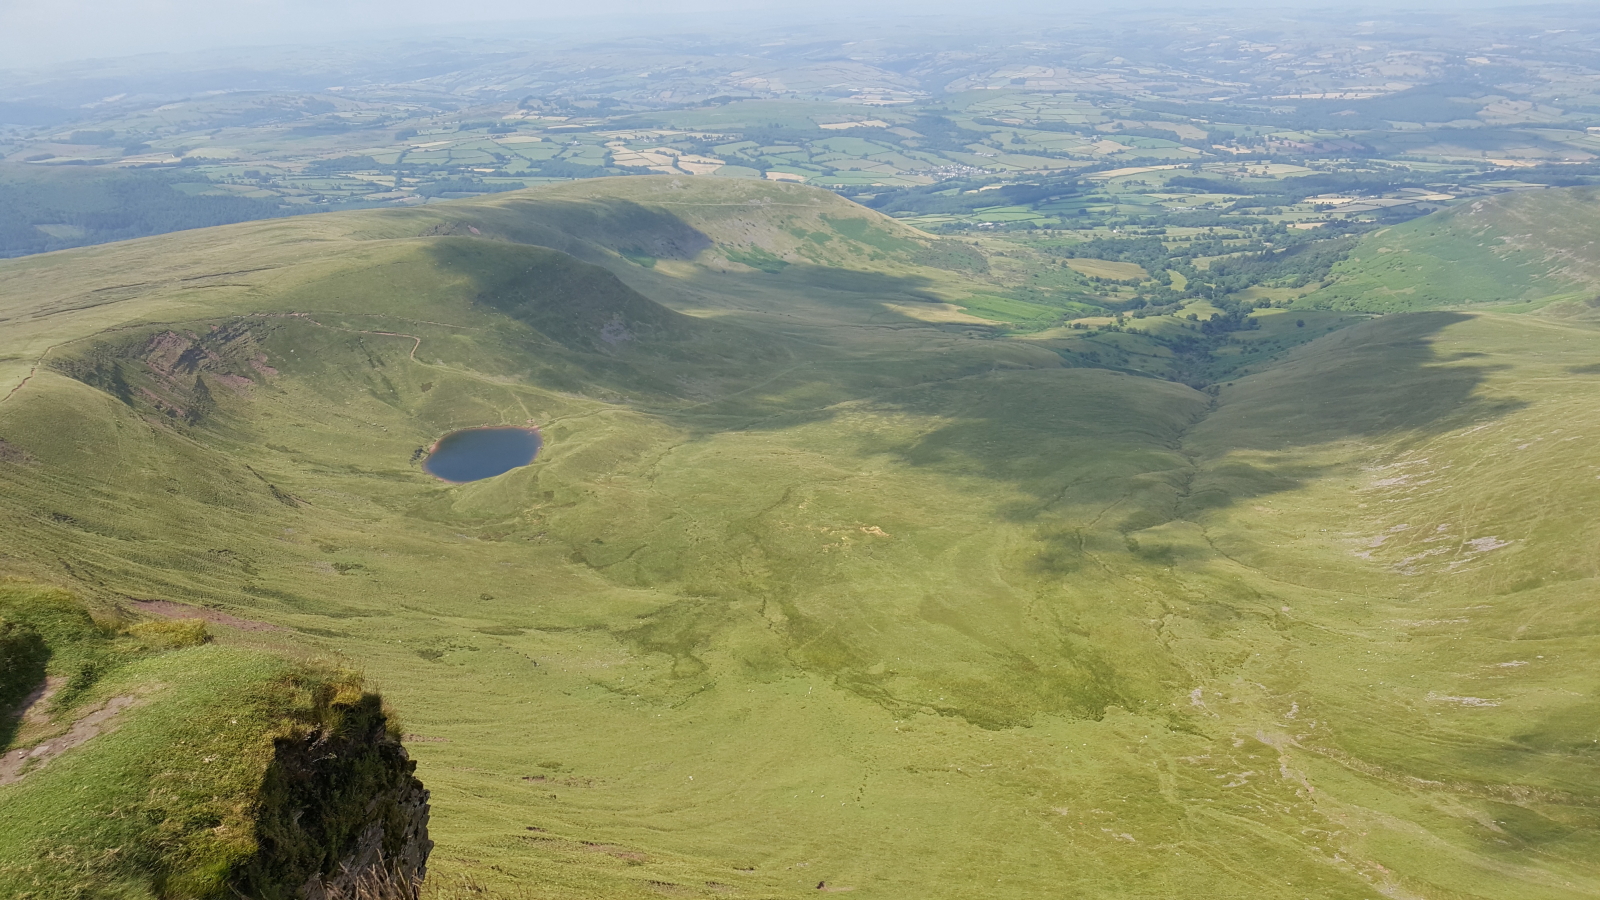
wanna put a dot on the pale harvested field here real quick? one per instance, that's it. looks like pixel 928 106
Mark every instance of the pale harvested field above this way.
pixel 1105 268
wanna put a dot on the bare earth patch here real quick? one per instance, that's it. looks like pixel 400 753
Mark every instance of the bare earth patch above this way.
pixel 11 453
pixel 19 763
pixel 168 609
pixel 1463 701
pixel 33 707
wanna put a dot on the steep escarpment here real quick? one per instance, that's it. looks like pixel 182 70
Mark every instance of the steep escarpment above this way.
pixel 339 809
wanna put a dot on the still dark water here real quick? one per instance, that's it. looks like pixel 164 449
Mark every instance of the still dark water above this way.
pixel 479 453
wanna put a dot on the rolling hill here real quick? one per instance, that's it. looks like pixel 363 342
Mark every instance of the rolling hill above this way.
pixel 1519 248
pixel 816 585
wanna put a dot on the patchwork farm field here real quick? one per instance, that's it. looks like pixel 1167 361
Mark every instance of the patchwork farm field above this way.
pixel 848 562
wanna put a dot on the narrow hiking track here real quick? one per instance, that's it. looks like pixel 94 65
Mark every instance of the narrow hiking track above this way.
pixel 24 761
pixel 306 317
pixel 414 347
pixel 28 377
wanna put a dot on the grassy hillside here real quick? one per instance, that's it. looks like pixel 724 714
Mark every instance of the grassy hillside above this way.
pixel 807 590
pixel 1415 494
pixel 1516 248
pixel 148 762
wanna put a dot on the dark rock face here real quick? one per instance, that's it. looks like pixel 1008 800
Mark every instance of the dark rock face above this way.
pixel 174 373
pixel 341 815
pixel 368 871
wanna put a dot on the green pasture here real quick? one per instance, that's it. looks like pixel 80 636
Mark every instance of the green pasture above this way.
pixel 796 114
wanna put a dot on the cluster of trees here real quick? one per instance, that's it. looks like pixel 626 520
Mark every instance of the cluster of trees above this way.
pixel 1148 252
pixel 1234 317
pixel 1275 255
pixel 940 133
pixel 1295 266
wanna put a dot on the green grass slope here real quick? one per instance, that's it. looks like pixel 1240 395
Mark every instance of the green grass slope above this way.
pixel 804 590
pixel 1523 247
pixel 1414 497
pixel 167 786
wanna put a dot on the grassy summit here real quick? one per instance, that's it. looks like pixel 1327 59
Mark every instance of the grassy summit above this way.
pixel 816 581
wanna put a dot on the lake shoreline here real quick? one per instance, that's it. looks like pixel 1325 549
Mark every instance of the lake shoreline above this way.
pixel 493 468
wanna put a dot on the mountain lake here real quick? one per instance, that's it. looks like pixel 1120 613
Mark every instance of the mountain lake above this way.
pixel 474 454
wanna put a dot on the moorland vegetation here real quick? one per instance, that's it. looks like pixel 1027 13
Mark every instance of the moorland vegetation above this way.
pixel 856 557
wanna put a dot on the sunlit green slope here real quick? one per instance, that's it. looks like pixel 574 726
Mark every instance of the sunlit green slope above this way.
pixel 1519 248
pixel 804 590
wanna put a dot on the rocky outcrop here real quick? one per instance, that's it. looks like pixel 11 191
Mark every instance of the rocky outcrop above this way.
pixel 341 815
pixel 367 872
pixel 173 373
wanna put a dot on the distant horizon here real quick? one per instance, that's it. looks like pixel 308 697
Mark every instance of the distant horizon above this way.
pixel 81 31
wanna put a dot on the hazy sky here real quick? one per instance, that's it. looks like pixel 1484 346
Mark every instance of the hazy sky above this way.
pixel 37 32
